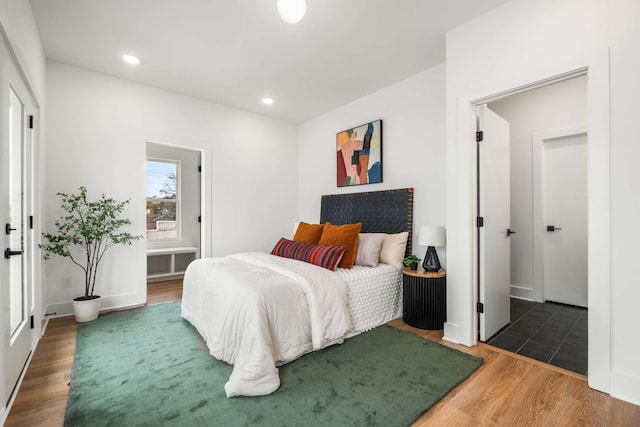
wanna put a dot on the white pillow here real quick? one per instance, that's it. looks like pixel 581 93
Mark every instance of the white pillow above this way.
pixel 369 249
pixel 393 247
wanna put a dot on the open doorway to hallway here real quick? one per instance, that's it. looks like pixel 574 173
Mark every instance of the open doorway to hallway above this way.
pixel 549 332
pixel 548 246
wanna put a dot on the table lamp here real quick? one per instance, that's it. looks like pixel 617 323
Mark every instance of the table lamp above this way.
pixel 431 236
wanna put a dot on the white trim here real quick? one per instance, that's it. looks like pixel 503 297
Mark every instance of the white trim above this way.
pixel 538 140
pixel 205 245
pixel 20 64
pixel 522 292
pixel 168 251
pixel 532 85
pixel 177 200
pixel 182 147
pixel 30 99
pixel 63 309
pixel 461 211
pixel 599 221
pixel 626 387
pixel 461 231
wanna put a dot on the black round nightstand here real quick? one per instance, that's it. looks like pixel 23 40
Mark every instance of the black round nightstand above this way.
pixel 424 298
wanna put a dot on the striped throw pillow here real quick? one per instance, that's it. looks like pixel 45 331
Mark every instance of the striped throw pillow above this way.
pixel 321 255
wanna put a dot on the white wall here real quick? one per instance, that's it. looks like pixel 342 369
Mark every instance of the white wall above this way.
pixel 19 25
pixel 524 39
pixel 97 130
pixel 413 116
pixel 544 109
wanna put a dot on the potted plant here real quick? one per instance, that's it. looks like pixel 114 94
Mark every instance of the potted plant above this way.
pixel 412 262
pixel 94 226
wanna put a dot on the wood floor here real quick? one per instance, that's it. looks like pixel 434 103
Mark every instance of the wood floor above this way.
pixel 507 390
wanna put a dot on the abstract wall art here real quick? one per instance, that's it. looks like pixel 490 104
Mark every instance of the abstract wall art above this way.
pixel 359 155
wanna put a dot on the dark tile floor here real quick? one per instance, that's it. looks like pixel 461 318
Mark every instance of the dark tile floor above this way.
pixel 549 332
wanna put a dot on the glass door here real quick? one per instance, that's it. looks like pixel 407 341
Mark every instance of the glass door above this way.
pixel 16 254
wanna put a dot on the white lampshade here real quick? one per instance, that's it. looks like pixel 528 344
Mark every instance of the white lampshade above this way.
pixel 292 11
pixel 431 236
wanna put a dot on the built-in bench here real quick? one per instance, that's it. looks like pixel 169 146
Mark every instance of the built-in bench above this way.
pixel 169 262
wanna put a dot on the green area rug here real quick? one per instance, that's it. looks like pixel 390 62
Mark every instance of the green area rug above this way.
pixel 149 367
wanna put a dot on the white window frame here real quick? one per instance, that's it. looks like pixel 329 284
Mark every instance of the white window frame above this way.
pixel 177 199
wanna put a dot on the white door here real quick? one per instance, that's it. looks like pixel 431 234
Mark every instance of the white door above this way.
pixel 564 175
pixel 17 257
pixel 493 237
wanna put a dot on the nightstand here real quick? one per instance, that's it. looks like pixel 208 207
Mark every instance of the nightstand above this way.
pixel 424 298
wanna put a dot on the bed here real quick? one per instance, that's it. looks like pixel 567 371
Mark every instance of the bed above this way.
pixel 257 311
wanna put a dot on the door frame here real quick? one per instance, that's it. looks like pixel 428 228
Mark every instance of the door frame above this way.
pixel 203 249
pixel 538 140
pixel 461 211
pixel 35 181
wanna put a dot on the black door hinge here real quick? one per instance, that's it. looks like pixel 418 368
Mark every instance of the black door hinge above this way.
pixel 480 307
pixel 33 324
pixel 30 222
pixel 30 122
pixel 199 168
pixel 199 219
pixel 479 221
pixel 479 136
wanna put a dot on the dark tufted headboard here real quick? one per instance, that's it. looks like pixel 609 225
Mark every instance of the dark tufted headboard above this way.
pixel 387 211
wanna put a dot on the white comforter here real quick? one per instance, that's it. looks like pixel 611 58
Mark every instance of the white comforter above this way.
pixel 257 310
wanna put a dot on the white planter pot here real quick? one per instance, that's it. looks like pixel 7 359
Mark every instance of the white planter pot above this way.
pixel 87 310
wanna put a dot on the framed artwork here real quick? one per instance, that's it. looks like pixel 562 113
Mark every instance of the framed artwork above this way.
pixel 359 155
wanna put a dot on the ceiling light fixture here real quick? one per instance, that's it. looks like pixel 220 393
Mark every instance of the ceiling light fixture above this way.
pixel 268 101
pixel 130 59
pixel 292 11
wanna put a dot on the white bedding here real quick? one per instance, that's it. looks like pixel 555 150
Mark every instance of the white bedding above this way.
pixel 236 304
pixel 374 295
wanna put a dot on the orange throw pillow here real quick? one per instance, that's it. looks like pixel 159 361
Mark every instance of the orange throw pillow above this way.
pixel 308 233
pixel 342 235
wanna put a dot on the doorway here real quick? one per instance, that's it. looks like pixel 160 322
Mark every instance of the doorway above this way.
pixel 19 116
pixel 562 175
pixel 174 200
pixel 544 163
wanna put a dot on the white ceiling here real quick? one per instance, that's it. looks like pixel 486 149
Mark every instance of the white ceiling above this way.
pixel 235 52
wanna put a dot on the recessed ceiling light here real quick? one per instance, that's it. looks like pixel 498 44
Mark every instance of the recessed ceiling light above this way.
pixel 268 101
pixel 130 59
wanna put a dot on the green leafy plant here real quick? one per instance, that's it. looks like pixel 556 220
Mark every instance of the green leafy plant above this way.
pixel 93 225
pixel 411 259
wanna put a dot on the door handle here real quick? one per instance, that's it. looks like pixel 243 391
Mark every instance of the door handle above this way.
pixel 553 228
pixel 8 253
pixel 8 229
pixel 510 232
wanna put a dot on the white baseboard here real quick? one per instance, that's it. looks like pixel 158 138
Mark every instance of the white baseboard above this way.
pixel 452 334
pixel 62 309
pixel 625 387
pixel 523 292
pixel 520 298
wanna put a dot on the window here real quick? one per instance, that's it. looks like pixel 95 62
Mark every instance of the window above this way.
pixel 163 196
